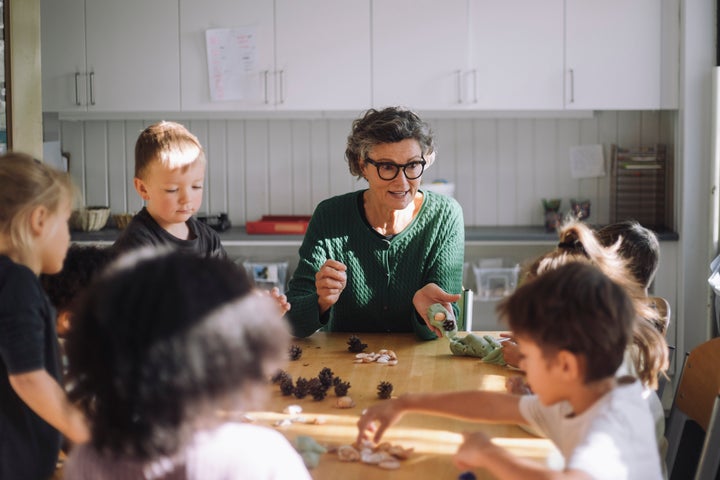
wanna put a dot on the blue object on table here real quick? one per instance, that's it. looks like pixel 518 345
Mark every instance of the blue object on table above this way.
pixel 467 476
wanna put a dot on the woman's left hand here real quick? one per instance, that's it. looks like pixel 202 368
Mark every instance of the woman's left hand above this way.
pixel 429 294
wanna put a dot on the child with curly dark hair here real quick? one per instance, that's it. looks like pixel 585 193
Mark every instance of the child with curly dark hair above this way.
pixel 160 344
pixel 82 263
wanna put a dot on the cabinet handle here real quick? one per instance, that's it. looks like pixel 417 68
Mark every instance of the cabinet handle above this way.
pixel 92 88
pixel 77 91
pixel 572 86
pixel 474 80
pixel 458 76
pixel 265 83
pixel 281 74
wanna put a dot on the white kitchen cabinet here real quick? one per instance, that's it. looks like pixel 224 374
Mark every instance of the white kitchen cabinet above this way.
pixel 420 54
pixel 468 54
pixel 613 54
pixel 257 83
pixel 303 61
pixel 110 56
pixel 516 55
pixel 323 54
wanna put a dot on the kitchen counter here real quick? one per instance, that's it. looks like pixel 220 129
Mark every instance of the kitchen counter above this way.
pixel 237 236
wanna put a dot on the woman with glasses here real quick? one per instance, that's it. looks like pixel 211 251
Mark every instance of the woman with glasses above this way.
pixel 374 260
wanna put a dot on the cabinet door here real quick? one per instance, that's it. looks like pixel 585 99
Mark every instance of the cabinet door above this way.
pixel 420 53
pixel 133 60
pixel 516 54
pixel 613 52
pixel 63 55
pixel 256 84
pixel 321 64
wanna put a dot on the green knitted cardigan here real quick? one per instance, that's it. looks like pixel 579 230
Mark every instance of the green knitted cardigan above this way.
pixel 382 275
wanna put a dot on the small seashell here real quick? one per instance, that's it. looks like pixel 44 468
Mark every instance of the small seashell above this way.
pixel 392 354
pixel 293 409
pixel 344 402
pixel 358 360
pixel 372 458
pixel 392 363
pixel 285 422
pixel 382 351
pixel 390 464
pixel 346 453
pixel 399 452
pixel 383 359
pixel 383 447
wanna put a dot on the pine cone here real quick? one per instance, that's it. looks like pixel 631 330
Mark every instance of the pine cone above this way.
pixel 301 387
pixel 384 390
pixel 337 380
pixel 326 377
pixel 316 389
pixel 279 377
pixel 286 387
pixel 295 352
pixel 449 325
pixel 341 388
pixel 355 345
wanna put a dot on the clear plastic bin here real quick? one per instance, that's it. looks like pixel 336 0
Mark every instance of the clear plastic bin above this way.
pixel 494 280
pixel 267 275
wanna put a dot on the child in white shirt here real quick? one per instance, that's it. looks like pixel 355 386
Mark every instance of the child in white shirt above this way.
pixel 572 326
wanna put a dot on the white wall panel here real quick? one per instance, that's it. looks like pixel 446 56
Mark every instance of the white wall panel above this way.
pixel 501 168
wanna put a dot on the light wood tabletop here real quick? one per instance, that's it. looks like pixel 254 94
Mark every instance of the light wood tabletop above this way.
pixel 423 367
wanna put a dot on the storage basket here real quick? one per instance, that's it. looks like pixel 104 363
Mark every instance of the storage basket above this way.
pixel 122 219
pixel 89 219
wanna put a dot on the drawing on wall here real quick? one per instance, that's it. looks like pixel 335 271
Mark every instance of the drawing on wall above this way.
pixel 231 58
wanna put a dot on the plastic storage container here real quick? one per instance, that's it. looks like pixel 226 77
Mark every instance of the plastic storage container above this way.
pixel 267 275
pixel 494 279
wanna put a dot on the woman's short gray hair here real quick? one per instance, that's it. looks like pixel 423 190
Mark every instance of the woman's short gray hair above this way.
pixel 389 125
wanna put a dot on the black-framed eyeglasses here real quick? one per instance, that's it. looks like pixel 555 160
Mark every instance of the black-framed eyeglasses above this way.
pixel 390 170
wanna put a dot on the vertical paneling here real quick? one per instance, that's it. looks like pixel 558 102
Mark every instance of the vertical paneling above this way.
pixel 589 187
pixel 279 167
pixel 485 160
pixel 117 173
pixel 134 202
pixel 299 168
pixel 506 211
pixel 464 170
pixel 501 168
pixel 527 210
pixel 545 153
pixel 320 161
pixel 217 175
pixel 236 161
pixel 257 193
pixel 95 165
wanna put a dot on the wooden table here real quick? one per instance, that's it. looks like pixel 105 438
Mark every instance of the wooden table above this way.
pixel 423 367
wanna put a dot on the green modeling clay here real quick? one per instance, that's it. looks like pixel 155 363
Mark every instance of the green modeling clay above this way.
pixel 309 450
pixel 443 319
pixel 485 347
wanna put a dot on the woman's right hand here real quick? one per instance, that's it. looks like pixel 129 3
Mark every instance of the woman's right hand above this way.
pixel 330 281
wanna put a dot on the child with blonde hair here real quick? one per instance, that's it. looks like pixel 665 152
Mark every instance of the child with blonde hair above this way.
pixel 169 177
pixel 35 205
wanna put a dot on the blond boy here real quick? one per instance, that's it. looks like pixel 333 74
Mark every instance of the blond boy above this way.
pixel 572 326
pixel 169 177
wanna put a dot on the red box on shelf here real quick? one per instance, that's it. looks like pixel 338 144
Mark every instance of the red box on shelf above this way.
pixel 279 224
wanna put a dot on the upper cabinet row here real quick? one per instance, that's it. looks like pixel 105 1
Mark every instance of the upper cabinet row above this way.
pixel 151 56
